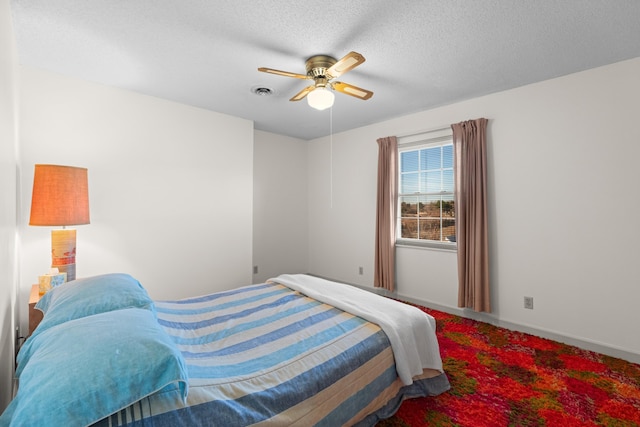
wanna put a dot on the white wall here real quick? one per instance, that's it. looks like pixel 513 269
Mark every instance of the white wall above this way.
pixel 170 186
pixel 8 183
pixel 342 205
pixel 279 205
pixel 563 207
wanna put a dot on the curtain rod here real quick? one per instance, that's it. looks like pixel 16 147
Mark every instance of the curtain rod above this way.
pixel 438 129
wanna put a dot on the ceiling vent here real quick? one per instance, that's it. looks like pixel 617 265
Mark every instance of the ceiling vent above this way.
pixel 262 91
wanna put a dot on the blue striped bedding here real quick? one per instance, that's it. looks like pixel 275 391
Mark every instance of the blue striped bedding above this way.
pixel 266 354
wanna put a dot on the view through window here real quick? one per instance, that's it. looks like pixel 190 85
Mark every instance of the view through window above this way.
pixel 426 184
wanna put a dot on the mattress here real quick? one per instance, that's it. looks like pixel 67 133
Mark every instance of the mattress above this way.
pixel 266 354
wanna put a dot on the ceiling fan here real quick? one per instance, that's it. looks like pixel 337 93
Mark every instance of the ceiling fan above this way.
pixel 323 70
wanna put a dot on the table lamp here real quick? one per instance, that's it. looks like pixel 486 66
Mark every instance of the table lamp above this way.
pixel 61 198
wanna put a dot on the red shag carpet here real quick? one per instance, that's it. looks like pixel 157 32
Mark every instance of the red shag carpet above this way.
pixel 505 378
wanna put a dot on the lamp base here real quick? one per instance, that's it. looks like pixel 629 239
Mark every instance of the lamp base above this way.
pixel 63 251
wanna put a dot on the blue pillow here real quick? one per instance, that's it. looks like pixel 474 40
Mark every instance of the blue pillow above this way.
pixel 91 295
pixel 84 370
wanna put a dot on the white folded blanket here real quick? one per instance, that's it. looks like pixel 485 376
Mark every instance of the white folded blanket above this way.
pixel 412 332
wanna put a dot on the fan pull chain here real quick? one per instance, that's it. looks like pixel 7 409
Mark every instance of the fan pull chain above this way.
pixel 331 157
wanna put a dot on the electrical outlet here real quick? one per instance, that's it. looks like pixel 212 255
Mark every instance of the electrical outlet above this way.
pixel 528 303
pixel 255 269
pixel 360 271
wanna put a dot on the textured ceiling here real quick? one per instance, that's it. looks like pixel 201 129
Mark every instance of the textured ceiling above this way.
pixel 419 54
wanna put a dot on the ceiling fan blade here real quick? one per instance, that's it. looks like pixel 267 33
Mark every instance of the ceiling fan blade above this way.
pixel 352 90
pixel 347 63
pixel 304 92
pixel 283 73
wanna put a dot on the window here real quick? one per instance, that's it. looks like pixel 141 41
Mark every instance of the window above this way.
pixel 425 203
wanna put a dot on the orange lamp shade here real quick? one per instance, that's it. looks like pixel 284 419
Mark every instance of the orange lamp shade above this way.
pixel 60 196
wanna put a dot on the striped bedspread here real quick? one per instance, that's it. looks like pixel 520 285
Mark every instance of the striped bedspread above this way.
pixel 267 355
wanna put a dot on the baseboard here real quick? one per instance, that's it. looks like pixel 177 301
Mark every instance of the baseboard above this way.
pixel 528 329
pixel 540 332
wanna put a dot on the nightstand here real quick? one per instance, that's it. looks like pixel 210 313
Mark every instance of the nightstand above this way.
pixel 35 316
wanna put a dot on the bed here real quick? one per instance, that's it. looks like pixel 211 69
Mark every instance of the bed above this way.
pixel 296 350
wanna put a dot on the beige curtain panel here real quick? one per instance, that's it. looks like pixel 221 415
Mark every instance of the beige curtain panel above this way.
pixel 387 201
pixel 470 168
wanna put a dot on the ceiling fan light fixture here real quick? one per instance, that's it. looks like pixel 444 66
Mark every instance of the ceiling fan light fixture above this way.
pixel 320 98
pixel 323 70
